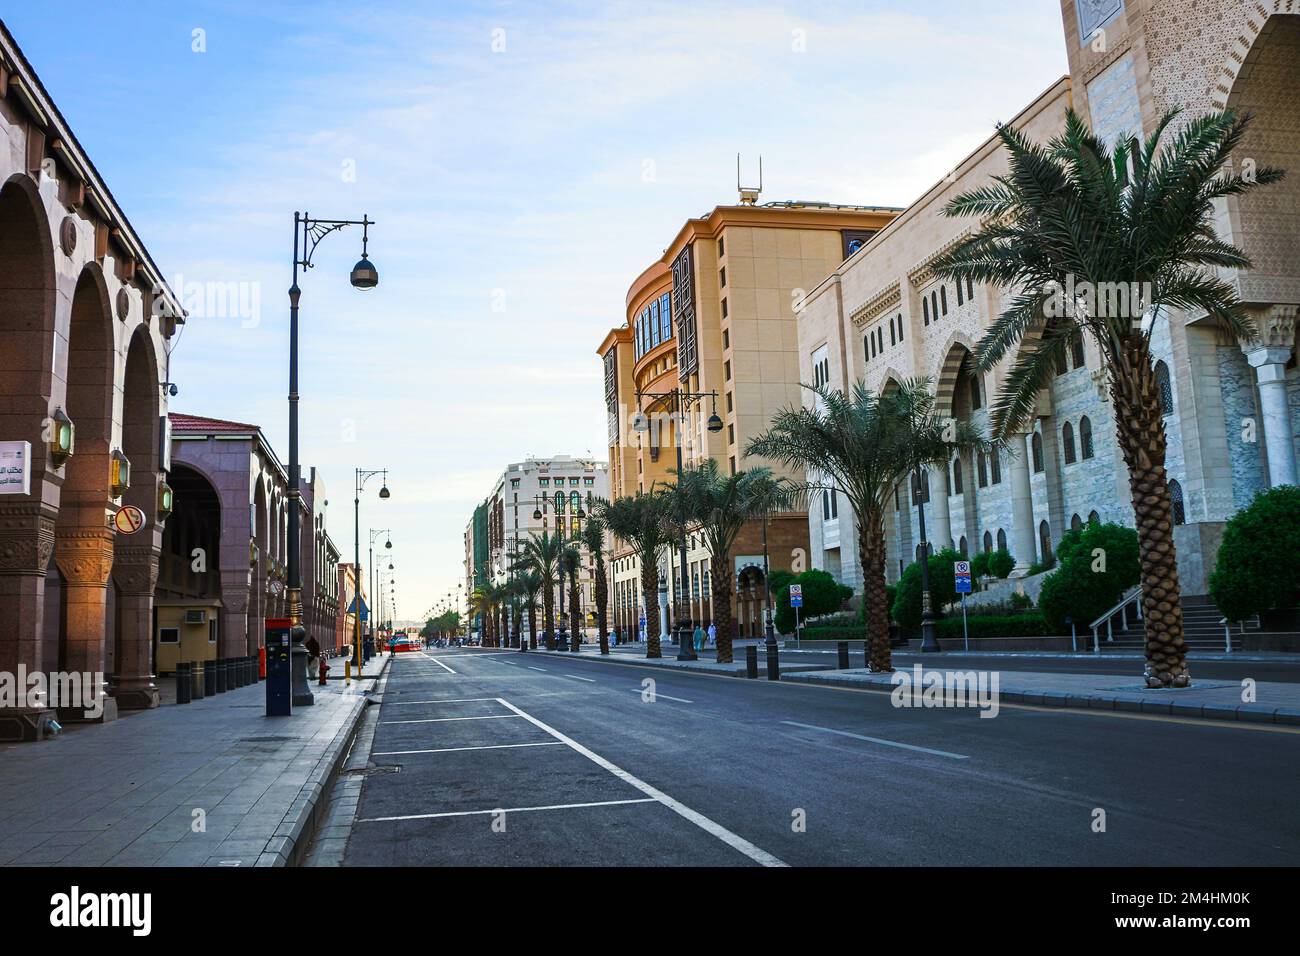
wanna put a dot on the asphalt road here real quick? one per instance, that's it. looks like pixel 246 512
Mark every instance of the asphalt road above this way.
pixel 593 766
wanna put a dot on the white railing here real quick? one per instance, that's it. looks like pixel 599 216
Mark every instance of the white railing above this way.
pixel 1121 608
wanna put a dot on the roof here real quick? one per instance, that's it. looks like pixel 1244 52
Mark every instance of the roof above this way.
pixel 209 426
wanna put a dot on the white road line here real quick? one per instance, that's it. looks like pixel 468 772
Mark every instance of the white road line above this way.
pixel 443 700
pixel 450 750
pixel 542 669
pixel 576 677
pixel 440 663
pixel 441 720
pixel 877 740
pixel 700 820
pixel 656 695
pixel 470 813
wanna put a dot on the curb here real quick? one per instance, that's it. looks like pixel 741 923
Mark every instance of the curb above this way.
pixel 735 669
pixel 1253 713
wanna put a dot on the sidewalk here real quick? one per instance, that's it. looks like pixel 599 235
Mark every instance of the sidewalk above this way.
pixel 210 783
pixel 635 654
pixel 1210 699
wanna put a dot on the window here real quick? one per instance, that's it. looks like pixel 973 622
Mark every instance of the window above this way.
pixel 559 502
pixel 729 403
pixel 1165 388
pixel 975 401
pixel 573 482
pixel 1045 544
pixel 1002 540
pixel 722 278
pixel 169 635
pixel 835 504
pixel 1061 367
pixel 956 476
pixel 1085 438
pixel 1076 349
pixel 733 464
pixel 1076 523
pixel 731 434
pixel 665 316
pixel 891 333
pixel 925 309
pixel 826 505
pixel 1094 518
pixel 514 482
pixel 727 369
pixel 722 248
pixel 988 543
pixel 960 298
pixel 1067 442
pixel 981 463
pixel 724 306
pixel 934 304
pixel 961 546
pixel 1036 445
pixel 653 313
pixel 544 482
pixel 1176 508
pixel 589 481
pixel 995 467
pixel 943 298
pixel 970 288
pixel 900 326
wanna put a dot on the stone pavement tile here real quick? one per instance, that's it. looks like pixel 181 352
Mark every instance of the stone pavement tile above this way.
pixel 139 854
pixel 17 844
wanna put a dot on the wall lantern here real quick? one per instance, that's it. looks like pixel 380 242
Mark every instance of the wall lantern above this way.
pixel 120 474
pixel 62 437
pixel 165 501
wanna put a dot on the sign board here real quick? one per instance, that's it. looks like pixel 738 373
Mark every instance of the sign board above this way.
pixel 15 468
pixel 961 571
pixel 365 610
pixel 128 520
pixel 796 595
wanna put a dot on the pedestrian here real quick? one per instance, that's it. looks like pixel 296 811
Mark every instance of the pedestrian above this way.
pixel 713 634
pixel 699 638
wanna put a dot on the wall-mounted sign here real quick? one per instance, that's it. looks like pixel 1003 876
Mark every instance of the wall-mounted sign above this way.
pixel 128 520
pixel 15 468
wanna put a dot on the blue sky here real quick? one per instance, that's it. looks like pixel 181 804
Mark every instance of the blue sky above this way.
pixel 524 162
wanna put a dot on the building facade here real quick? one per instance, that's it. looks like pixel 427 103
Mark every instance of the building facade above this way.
pixel 1230 407
pixel 717 314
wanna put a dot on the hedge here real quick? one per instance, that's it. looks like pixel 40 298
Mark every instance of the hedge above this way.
pixel 1032 624
pixel 1256 569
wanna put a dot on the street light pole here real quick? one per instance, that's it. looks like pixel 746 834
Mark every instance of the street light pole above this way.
pixel 929 641
pixel 768 630
pixel 362 477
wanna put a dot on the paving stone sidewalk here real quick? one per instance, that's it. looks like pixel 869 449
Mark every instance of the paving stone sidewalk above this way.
pixel 1275 702
pixel 125 793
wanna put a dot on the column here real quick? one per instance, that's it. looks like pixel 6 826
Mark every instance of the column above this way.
pixel 233 636
pixel 1268 355
pixel 135 571
pixel 26 542
pixel 84 556
pixel 940 532
pixel 1022 505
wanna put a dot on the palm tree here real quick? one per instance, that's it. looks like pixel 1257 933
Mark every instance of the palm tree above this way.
pixel 719 506
pixel 541 553
pixel 593 538
pixel 571 561
pixel 1071 227
pixel 642 520
pixel 865 445
pixel 530 585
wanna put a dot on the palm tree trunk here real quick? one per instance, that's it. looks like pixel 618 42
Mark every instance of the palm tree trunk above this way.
pixel 575 612
pixel 548 608
pixel 602 597
pixel 723 621
pixel 532 625
pixel 650 590
pixel 1140 429
pixel 871 553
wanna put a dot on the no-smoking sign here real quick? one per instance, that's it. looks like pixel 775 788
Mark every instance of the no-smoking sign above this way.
pixel 128 520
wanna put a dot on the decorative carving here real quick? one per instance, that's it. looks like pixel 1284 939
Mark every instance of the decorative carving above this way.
pixel 123 303
pixel 84 555
pixel 135 568
pixel 68 235
pixel 877 305
pixel 26 539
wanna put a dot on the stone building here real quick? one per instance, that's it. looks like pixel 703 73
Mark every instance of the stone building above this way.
pixel 1230 407
pixel 717 314
pixel 85 325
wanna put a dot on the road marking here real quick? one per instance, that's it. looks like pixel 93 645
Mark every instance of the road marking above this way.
pixel 470 813
pixel 878 740
pixel 440 720
pixel 700 820
pixel 440 663
pixel 542 669
pixel 444 700
pixel 656 695
pixel 576 677
pixel 450 750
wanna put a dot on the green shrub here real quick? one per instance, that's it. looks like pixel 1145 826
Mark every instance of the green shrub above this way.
pixel 979 565
pixel 822 594
pixel 1095 566
pixel 943 589
pixel 1000 563
pixel 857 633
pixel 1032 624
pixel 1021 602
pixel 1257 568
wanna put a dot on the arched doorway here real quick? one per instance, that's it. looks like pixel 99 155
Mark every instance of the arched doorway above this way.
pixel 188 599
pixel 257 609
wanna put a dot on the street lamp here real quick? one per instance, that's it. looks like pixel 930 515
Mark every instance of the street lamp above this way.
pixel 929 641
pixel 307 234
pixel 388 543
pixel 362 476
pixel 680 401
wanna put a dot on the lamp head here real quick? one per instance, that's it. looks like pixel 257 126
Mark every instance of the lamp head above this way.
pixel 714 423
pixel 364 274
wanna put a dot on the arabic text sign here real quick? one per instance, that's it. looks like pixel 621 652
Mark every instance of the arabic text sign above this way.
pixel 15 468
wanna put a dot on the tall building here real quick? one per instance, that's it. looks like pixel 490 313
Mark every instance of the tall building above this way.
pixel 552 494
pixel 1229 407
pixel 717 314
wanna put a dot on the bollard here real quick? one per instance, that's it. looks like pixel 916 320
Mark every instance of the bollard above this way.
pixel 844 655
pixel 243 672
pixel 196 683
pixel 182 683
pixel 250 670
pixel 222 673
pixel 773 665
pixel 751 661
pixel 239 664
pixel 210 678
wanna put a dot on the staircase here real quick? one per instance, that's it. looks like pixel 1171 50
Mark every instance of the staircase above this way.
pixel 1201 629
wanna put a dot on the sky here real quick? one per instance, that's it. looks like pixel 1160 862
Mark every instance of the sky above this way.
pixel 523 163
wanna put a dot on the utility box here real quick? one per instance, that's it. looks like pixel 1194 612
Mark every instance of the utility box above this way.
pixel 279 677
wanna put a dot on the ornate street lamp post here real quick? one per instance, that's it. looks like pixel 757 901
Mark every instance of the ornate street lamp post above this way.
pixel 362 477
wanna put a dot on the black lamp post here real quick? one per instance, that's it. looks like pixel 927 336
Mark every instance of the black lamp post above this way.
pixel 769 632
pixel 362 477
pixel 929 641
pixel 680 401
pixel 307 234
pixel 388 544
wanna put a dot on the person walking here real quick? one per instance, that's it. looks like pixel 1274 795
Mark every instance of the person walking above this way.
pixel 699 637
pixel 713 634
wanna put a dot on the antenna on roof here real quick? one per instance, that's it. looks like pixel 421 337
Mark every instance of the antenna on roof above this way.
pixel 749 194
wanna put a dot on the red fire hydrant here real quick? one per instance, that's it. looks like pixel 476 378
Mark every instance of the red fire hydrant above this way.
pixel 324 669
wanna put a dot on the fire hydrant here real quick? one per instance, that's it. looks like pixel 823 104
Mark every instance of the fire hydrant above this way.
pixel 324 669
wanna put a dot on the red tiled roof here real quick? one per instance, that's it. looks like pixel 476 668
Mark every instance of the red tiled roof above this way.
pixel 207 426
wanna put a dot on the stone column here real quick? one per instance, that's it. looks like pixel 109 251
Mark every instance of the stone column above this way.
pixel 135 571
pixel 1022 504
pixel 84 556
pixel 1268 355
pixel 940 533
pixel 233 634
pixel 26 543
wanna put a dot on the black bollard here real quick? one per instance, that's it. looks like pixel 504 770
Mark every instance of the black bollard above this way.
pixel 221 675
pixel 182 683
pixel 773 665
pixel 196 672
pixel 210 678
pixel 751 661
pixel 844 655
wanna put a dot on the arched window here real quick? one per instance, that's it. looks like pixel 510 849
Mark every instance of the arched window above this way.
pixel 1085 438
pixel 961 546
pixel 1076 523
pixel 995 467
pixel 1036 445
pixel 1045 543
pixel 1094 518
pixel 1076 351
pixel 988 543
pixel 1177 510
pixel 975 392
pixel 1002 540
pixel 981 463
pixel 1165 388
pixel 575 501
pixel 559 502
pixel 956 476
pixel 1067 442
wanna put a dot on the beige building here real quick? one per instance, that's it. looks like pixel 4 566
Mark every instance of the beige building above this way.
pixel 716 314
pixel 882 316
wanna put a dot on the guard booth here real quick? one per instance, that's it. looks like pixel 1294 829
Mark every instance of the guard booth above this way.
pixel 279 655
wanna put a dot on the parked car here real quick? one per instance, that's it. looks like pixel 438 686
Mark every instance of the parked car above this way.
pixel 405 644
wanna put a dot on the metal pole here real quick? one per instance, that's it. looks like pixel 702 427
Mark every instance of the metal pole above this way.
pixel 356 576
pixel 295 492
pixel 929 643
pixel 769 631
pixel 685 643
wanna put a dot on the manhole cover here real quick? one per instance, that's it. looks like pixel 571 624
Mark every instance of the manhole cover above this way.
pixel 371 771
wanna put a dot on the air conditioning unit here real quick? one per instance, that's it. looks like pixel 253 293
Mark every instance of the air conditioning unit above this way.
pixel 196 617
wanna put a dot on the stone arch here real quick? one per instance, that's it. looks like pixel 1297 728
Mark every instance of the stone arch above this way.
pixel 957 351
pixel 1257 17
